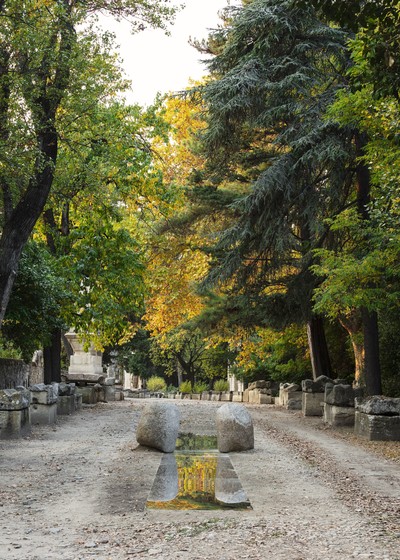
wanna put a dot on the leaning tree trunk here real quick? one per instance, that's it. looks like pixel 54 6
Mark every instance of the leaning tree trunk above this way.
pixel 352 323
pixel 319 353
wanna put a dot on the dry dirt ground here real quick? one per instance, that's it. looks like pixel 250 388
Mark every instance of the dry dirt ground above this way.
pixel 78 491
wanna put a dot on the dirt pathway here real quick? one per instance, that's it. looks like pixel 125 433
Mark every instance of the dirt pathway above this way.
pixel 78 492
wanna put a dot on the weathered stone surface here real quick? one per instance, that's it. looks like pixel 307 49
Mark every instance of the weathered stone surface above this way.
pixel 340 395
pixel 13 373
pixel 237 397
pixel 312 404
pixel 317 386
pixel 109 381
pixel 338 415
pixel 235 430
pixel 66 389
pixel 159 426
pixel 15 423
pixel 166 483
pixel 14 399
pixel 257 385
pixel 43 413
pixel 226 396
pixel 88 394
pixel 294 403
pixel 379 405
pixel 44 394
pixel 377 428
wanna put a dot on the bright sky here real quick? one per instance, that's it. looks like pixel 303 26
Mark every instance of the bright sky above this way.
pixel 155 62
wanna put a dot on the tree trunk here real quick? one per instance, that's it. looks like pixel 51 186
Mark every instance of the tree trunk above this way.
pixel 353 325
pixel 370 320
pixel 372 363
pixel 52 358
pixel 319 353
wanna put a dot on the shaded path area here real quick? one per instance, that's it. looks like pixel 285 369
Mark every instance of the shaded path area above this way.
pixel 78 491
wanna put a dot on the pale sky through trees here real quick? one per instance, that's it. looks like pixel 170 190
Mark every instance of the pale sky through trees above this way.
pixel 155 62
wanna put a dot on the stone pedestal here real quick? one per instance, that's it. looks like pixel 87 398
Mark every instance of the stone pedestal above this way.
pixel 15 420
pixel 44 403
pixel 335 415
pixel 290 396
pixel 87 393
pixel 378 418
pixel 66 399
pixel 312 404
pixel 226 396
pixel 85 366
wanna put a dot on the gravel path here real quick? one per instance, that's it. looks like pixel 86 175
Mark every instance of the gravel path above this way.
pixel 78 491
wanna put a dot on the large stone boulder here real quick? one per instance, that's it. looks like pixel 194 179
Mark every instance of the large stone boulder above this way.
pixel 235 430
pixel 159 426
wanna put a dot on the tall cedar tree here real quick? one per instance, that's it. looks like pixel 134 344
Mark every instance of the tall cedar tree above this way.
pixel 277 70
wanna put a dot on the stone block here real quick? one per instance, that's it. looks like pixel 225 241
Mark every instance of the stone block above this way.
pixel 43 413
pixel 377 428
pixel 44 394
pixel 15 423
pixel 88 394
pixel 257 385
pixel 246 395
pixel 109 393
pixel 205 396
pixel 265 399
pixel 215 396
pixel 338 415
pixel 341 395
pixel 78 401
pixel 312 404
pixel 315 386
pixel 196 396
pixel 226 396
pixel 158 426
pixel 235 430
pixel 109 381
pixel 237 397
pixel 65 405
pixel 119 394
pixel 66 389
pixel 378 405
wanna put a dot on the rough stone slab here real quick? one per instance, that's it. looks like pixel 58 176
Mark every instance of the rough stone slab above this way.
pixel 265 399
pixel 377 428
pixel 257 385
pixel 237 397
pixel 339 395
pixel 338 415
pixel 379 405
pixel 85 377
pixel 88 394
pixel 315 386
pixel 235 430
pixel 109 381
pixel 312 404
pixel 66 389
pixel 14 399
pixel 159 426
pixel 44 394
pixel 226 396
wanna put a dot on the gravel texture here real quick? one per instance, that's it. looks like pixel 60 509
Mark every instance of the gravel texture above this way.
pixel 78 491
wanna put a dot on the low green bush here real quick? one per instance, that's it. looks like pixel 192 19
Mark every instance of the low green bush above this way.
pixel 221 385
pixel 185 387
pixel 156 384
pixel 200 387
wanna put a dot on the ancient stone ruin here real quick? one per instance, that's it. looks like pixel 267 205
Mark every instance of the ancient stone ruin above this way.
pixel 14 413
pixel 339 403
pixel 377 418
pixel 313 392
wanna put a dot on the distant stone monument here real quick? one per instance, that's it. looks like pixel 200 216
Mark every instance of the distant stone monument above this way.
pixel 85 365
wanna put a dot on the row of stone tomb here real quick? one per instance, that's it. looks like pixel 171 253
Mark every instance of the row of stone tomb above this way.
pixel 22 407
pixel 375 418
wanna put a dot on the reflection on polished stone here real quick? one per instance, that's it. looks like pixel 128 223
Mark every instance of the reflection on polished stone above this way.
pixel 228 490
pixel 165 486
pixel 197 480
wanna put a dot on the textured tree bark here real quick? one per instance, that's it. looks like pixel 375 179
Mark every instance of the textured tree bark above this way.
pixel 319 353
pixel 354 327
pixel 52 362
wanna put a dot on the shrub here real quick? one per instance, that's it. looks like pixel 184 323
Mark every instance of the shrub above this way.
pixel 221 385
pixel 156 384
pixel 185 387
pixel 200 387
